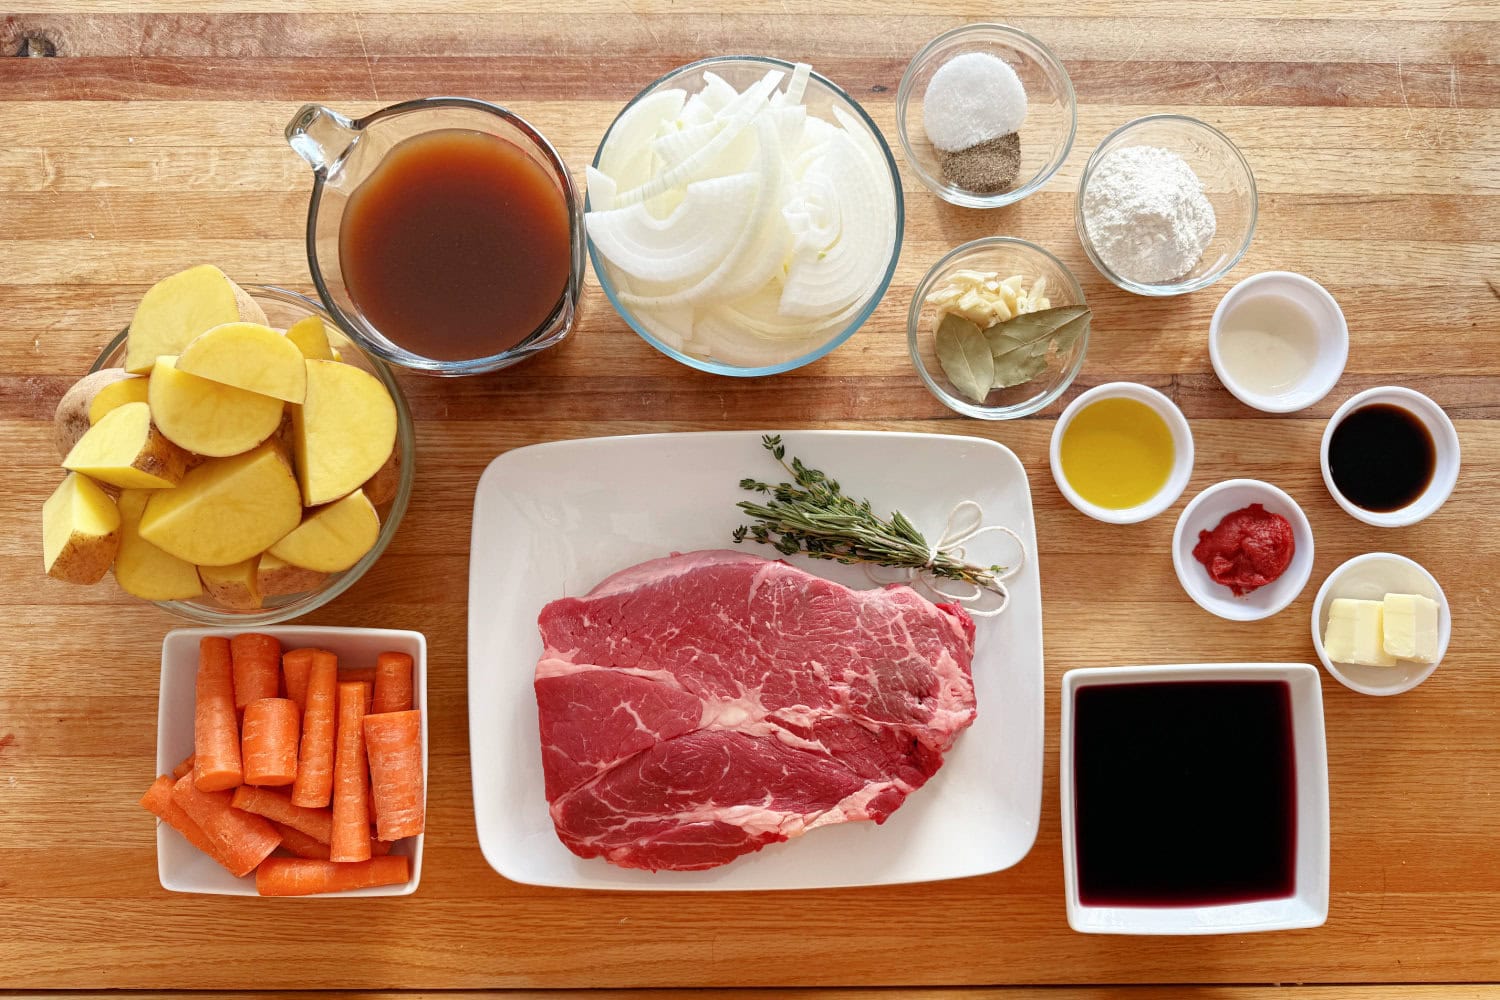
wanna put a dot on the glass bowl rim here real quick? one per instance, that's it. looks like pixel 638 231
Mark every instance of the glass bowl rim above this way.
pixel 914 325
pixel 339 583
pixel 1055 69
pixel 872 301
pixel 1176 288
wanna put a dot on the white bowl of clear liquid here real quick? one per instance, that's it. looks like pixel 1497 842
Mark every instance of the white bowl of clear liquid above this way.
pixel 1278 341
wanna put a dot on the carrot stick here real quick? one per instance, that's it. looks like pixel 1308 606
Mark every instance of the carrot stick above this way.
pixel 393 741
pixel 257 667
pixel 158 799
pixel 275 804
pixel 392 683
pixel 299 843
pixel 240 840
pixel 304 877
pixel 295 665
pixel 270 730
pixel 216 733
pixel 351 820
pixel 184 767
pixel 379 848
pixel 314 785
pixel 356 675
pixel 370 811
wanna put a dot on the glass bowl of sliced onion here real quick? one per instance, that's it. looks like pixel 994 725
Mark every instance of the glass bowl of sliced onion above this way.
pixel 744 215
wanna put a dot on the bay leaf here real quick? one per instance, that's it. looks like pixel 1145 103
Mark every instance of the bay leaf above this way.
pixel 1069 332
pixel 1018 369
pixel 1039 326
pixel 964 352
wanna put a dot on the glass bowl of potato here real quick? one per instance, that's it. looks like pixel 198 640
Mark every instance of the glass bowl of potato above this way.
pixel 339 527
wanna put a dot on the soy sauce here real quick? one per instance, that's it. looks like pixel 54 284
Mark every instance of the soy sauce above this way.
pixel 1184 793
pixel 1382 457
pixel 457 245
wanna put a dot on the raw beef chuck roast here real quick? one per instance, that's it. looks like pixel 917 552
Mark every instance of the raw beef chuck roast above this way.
pixel 698 707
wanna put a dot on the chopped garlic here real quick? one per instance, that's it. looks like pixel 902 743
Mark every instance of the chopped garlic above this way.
pixel 984 298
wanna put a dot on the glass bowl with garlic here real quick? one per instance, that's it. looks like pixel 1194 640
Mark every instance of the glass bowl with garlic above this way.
pixel 998 328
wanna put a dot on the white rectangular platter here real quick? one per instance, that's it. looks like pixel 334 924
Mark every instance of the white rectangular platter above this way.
pixel 552 520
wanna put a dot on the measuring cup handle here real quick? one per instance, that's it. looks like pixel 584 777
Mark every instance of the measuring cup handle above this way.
pixel 321 136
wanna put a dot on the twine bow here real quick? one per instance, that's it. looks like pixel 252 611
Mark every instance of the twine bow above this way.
pixel 965 523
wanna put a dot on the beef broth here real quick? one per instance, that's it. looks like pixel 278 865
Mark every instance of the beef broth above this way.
pixel 457 245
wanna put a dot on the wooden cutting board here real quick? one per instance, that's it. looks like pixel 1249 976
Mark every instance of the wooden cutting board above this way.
pixel 140 137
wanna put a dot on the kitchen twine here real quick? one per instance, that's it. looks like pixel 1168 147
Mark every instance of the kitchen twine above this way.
pixel 956 535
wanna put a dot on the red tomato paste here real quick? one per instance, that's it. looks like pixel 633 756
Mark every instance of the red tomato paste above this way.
pixel 1250 548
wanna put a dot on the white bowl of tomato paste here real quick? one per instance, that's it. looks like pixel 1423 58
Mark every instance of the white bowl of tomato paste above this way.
pixel 1243 549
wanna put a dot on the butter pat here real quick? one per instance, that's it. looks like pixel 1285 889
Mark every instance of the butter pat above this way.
pixel 1409 627
pixel 1356 633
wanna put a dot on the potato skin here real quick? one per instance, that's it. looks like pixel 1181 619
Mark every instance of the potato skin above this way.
pixel 71 421
pixel 85 560
pixel 381 487
pixel 288 579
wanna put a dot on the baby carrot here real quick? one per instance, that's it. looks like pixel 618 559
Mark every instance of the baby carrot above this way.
pixel 274 804
pixel 158 799
pixel 257 667
pixel 216 733
pixel 295 665
pixel 314 785
pixel 393 741
pixel 240 840
pixel 299 843
pixel 379 848
pixel 392 683
pixel 270 731
pixel 351 821
pixel 184 767
pixel 357 675
pixel 304 877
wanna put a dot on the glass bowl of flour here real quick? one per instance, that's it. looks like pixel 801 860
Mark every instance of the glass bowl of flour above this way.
pixel 1166 205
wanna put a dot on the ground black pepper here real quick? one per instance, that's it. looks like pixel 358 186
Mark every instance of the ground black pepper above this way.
pixel 986 167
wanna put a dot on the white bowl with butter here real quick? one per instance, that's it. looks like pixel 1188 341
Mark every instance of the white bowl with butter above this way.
pixel 1371 577
pixel 1278 341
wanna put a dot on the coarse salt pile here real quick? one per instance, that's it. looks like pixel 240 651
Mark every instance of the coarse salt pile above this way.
pixel 973 106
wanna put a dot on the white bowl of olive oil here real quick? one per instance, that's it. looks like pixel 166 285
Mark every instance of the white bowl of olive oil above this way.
pixel 1122 453
pixel 1278 341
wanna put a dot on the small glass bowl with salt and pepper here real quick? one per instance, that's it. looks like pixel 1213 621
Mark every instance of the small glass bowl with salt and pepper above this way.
pixel 985 114
pixel 1166 205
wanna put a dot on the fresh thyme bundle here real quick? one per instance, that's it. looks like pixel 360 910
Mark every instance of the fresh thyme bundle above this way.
pixel 812 515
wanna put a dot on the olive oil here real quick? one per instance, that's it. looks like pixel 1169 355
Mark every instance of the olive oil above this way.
pixel 1117 453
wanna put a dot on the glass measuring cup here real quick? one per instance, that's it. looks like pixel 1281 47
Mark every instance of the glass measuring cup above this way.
pixel 343 153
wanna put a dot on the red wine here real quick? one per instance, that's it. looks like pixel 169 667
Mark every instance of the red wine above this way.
pixel 1382 457
pixel 1184 793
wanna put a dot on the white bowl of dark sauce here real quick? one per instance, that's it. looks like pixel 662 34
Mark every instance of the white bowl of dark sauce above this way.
pixel 1194 798
pixel 1390 456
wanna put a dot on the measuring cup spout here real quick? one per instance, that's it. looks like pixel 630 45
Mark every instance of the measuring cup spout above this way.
pixel 321 136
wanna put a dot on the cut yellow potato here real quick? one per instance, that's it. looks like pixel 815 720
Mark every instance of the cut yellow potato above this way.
pixel 80 531
pixel 249 356
pixel 381 487
pixel 131 389
pixel 207 417
pixel 343 432
pixel 235 586
pixel 275 577
pixel 332 538
pixel 311 338
pixel 75 414
pixel 126 450
pixel 227 509
pixel 180 307
pixel 143 569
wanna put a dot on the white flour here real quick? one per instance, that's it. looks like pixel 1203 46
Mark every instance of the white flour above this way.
pixel 1146 214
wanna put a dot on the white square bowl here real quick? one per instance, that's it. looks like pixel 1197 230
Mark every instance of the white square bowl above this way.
pixel 181 866
pixel 1308 905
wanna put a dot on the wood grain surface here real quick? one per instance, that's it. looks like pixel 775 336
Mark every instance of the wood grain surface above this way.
pixel 140 136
